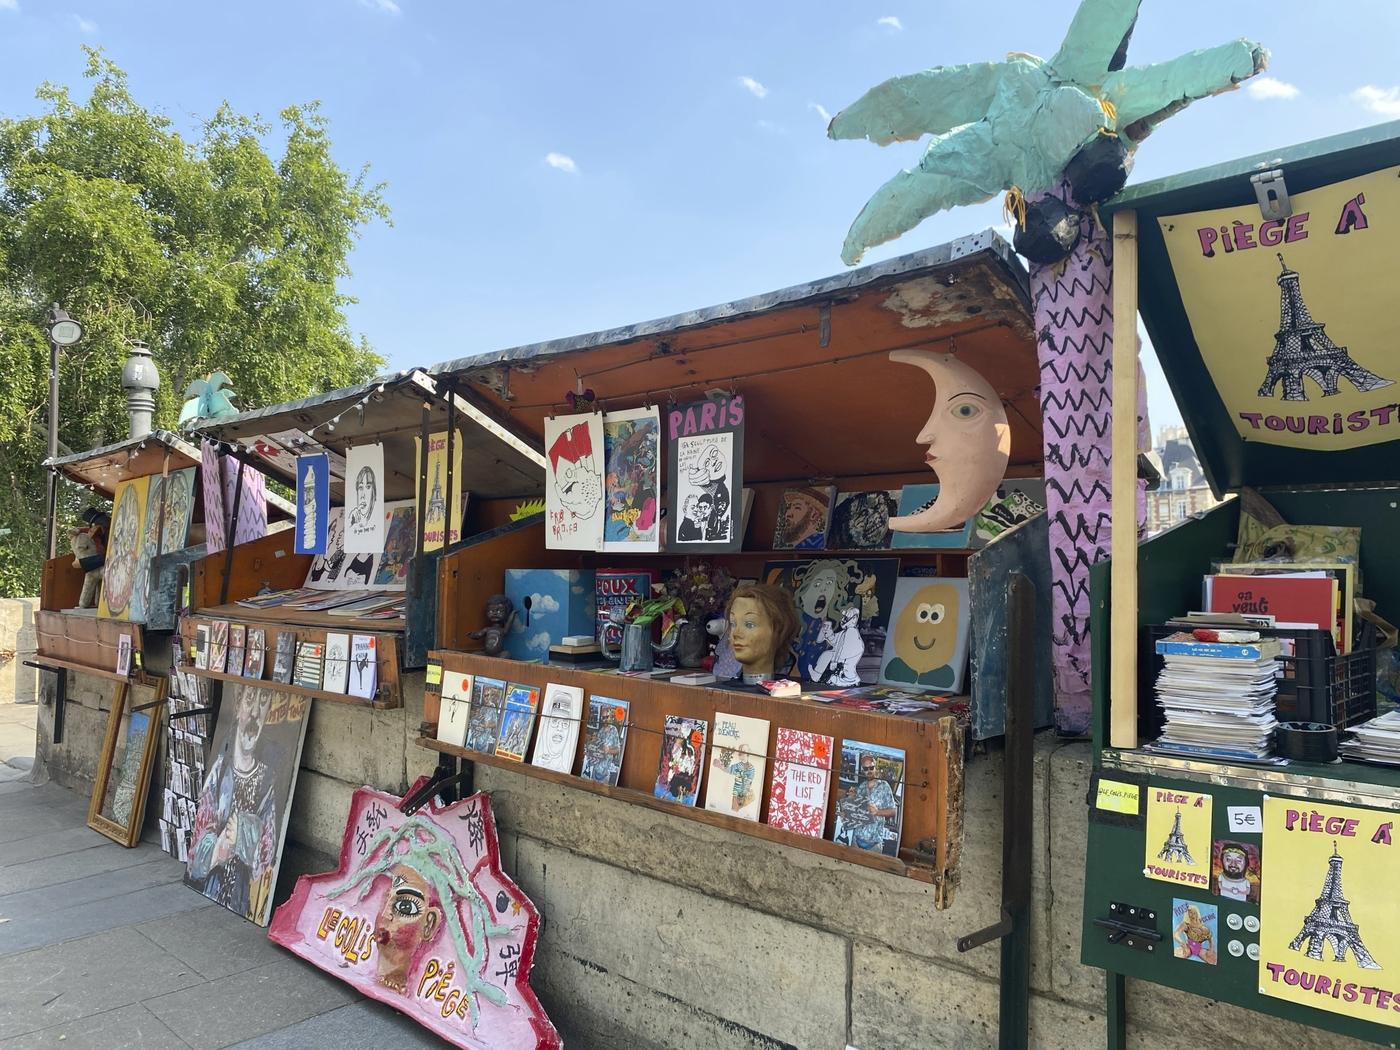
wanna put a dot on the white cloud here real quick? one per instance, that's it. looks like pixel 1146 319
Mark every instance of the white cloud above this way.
pixel 538 641
pixel 543 603
pixel 9 5
pixel 85 25
pixel 388 7
pixel 1384 101
pixel 891 22
pixel 753 87
pixel 561 162
pixel 1271 88
pixel 820 110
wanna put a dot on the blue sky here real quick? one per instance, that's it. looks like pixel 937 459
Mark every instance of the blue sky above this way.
pixel 556 168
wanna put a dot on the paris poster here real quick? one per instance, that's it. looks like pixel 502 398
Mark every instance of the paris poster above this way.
pixel 1293 317
pixel 1329 918
pixel 1178 837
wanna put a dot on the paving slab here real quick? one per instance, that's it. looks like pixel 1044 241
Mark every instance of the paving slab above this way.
pixel 125 1028
pixel 45 902
pixel 23 934
pixel 103 858
pixel 365 1025
pixel 50 844
pixel 249 1004
pixel 214 942
pixel 83 977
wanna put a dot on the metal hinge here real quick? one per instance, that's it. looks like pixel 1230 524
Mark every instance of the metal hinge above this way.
pixel 1272 192
pixel 1132 926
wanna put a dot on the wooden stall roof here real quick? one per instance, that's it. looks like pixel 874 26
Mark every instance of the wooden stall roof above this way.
pixel 811 360
pixel 1229 461
pixel 496 463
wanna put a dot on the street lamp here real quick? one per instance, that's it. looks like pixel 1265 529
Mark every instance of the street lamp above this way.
pixel 62 331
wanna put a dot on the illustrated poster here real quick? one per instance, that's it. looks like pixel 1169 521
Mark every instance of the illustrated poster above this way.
pixel 313 503
pixel 573 490
pixel 682 761
pixel 241 819
pixel 1017 501
pixel 517 720
pixel 364 665
pixel 165 527
pixel 1235 871
pixel 632 482
pixel 1178 837
pixel 861 520
pixel 1195 931
pixel 844 605
pixel 705 473
pixel 804 518
pixel 400 545
pixel 1278 310
pixel 915 500
pixel 364 499
pixel 928 635
pixel 420 916
pixel 801 775
pixel 335 570
pixel 435 521
pixel 124 545
pixel 1328 914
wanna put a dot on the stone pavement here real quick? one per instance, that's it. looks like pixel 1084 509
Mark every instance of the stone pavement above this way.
pixel 104 948
pixel 16 741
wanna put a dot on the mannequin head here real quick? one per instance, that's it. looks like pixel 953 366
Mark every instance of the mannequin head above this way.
pixel 762 627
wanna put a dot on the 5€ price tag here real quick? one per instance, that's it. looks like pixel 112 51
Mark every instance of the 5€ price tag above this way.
pixel 1245 820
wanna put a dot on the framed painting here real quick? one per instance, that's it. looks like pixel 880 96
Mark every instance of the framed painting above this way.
pixel 124 770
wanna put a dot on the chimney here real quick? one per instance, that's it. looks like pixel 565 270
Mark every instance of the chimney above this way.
pixel 140 380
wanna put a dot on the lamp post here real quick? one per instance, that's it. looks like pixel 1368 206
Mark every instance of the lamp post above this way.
pixel 62 331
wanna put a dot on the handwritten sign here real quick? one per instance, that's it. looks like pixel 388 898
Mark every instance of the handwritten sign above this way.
pixel 1118 797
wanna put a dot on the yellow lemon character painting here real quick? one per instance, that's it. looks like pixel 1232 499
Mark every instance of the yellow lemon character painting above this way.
pixel 928 643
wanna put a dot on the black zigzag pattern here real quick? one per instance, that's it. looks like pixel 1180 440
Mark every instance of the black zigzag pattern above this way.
pixel 1077 401
pixel 1072 635
pixel 1096 343
pixel 1077 492
pixel 1081 528
pixel 1083 316
pixel 1053 290
pixel 1066 369
pixel 1080 427
pixel 1075 457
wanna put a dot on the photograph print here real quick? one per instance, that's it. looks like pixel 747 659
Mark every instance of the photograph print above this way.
pixel 870 797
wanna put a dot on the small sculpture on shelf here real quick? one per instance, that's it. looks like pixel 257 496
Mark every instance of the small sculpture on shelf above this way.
pixel 500 616
pixel 703 588
pixel 90 555
pixel 763 625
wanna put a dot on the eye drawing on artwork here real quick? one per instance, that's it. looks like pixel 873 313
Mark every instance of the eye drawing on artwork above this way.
pixel 967 439
pixel 408 920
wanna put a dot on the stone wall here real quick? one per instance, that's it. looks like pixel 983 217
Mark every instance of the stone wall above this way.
pixel 18 684
pixel 660 932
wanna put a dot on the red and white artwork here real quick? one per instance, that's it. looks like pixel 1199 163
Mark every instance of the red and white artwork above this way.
pixel 801 778
pixel 420 916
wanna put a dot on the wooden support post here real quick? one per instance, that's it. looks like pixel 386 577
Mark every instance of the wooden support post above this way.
pixel 1122 680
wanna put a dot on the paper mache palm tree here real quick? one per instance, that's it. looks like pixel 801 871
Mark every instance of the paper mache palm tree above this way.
pixel 1058 136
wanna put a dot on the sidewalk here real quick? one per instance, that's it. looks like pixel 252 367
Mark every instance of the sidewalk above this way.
pixel 104 948
pixel 16 740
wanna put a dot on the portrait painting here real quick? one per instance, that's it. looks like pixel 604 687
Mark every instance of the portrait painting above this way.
pixel 632 485
pixel 844 605
pixel 364 500
pixel 573 491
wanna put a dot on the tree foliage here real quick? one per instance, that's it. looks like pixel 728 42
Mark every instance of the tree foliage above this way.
pixel 207 247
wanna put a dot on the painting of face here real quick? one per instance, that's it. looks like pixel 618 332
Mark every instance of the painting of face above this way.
pixel 751 633
pixel 253 706
pixel 408 919
pixel 927 629
pixel 968 440
pixel 364 491
pixel 818 593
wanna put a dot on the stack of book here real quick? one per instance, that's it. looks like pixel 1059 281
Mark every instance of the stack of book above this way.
pixel 1375 741
pixel 1218 696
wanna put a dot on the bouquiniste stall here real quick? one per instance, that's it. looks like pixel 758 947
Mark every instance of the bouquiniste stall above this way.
pixel 1237 849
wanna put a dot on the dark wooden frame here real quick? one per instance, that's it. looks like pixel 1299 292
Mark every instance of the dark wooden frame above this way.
pixel 122 700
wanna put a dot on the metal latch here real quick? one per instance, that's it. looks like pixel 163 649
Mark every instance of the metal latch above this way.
pixel 1132 926
pixel 1269 187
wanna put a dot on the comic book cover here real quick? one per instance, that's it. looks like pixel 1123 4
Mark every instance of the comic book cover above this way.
pixel 870 797
pixel 682 761
pixel 517 720
pixel 736 772
pixel 488 698
pixel 801 773
pixel 604 737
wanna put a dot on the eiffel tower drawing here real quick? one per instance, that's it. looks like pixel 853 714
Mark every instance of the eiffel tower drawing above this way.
pixel 1174 849
pixel 1330 920
pixel 1302 348
pixel 437 506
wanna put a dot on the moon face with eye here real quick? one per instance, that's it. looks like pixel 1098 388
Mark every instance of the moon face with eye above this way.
pixel 968 439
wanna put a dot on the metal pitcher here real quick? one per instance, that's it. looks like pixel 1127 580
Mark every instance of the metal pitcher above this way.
pixel 638 652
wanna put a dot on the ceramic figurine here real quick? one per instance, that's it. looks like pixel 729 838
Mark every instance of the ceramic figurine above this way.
pixel 88 555
pixel 763 624
pixel 500 615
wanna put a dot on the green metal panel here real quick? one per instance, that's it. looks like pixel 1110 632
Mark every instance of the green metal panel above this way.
pixel 1229 461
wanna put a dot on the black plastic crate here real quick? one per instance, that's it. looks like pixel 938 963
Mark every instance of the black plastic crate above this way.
pixel 1318 685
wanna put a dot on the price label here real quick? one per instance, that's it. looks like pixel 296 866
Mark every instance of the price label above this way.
pixel 435 674
pixel 1245 820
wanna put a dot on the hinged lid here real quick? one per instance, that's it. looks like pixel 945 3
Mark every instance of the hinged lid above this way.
pixel 1267 286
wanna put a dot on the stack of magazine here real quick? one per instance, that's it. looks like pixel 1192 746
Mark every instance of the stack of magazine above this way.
pixel 1218 696
pixel 1375 741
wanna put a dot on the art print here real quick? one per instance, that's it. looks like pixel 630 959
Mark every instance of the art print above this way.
pixel 124 545
pixel 573 491
pixel 927 641
pixel 327 567
pixel 682 759
pixel 165 527
pixel 1195 931
pixel 201 646
pixel 740 759
pixel 309 665
pixel 219 477
pixel 237 638
pixel 632 483
pixel 1235 871
pixel 870 797
pixel 861 520
pixel 420 916
pixel 285 658
pixel 337 674
pixel 313 475
pixel 257 652
pixel 517 720
pixel 844 605
pixel 604 737
pixel 1178 840
pixel 561 712
pixel 364 665
pixel 801 776
pixel 435 527
pixel 400 545
pixel 218 645
pixel 1016 502
pixel 124 655
pixel 364 500
pixel 919 500
pixel 454 708
pixel 484 722
pixel 705 459
pixel 803 518
pixel 241 819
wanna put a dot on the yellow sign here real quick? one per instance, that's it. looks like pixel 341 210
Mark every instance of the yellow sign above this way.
pixel 435 674
pixel 1293 317
pixel 1118 797
pixel 1328 913
pixel 1178 837
pixel 437 488
pixel 122 574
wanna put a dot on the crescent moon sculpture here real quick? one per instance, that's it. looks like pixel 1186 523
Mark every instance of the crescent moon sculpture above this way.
pixel 968 439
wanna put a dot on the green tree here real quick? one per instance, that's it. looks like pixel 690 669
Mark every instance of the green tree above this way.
pixel 207 247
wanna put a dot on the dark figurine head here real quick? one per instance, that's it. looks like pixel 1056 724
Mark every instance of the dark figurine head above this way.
pixel 498 608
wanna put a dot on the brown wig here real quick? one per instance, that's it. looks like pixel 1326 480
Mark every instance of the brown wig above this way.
pixel 778 605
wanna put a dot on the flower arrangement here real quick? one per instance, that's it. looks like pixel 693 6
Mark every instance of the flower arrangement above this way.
pixel 702 588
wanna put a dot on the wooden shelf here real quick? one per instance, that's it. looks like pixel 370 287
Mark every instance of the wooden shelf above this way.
pixel 924 871
pixel 290 687
pixel 931 831
pixel 300 618
pixel 54 663
pixel 81 641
